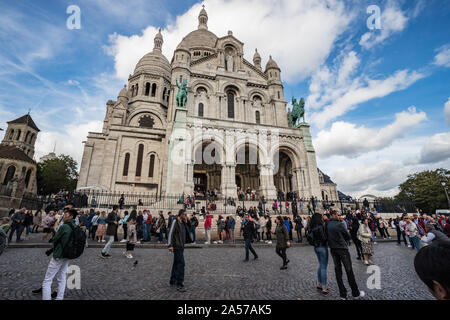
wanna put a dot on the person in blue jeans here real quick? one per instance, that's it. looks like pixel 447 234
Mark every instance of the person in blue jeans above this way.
pixel 319 239
pixel 411 228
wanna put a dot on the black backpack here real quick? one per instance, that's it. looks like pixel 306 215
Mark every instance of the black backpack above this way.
pixel 316 236
pixel 75 247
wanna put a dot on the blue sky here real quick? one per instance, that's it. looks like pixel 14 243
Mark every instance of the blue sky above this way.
pixel 376 99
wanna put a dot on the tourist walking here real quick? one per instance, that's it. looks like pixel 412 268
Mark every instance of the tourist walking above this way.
pixel 354 235
pixel 101 229
pixel 124 223
pixel 338 237
pixel 17 225
pixel 37 221
pixel 94 225
pixel 194 224
pixel 131 237
pixel 412 232
pixel 249 236
pixel 161 226
pixel 208 224
pixel 58 264
pixel 220 228
pixel 318 236
pixel 49 222
pixel 178 237
pixel 262 227
pixel 283 243
pixel 365 236
pixel 111 220
pixel 231 226
pixel 269 229
pixel 298 228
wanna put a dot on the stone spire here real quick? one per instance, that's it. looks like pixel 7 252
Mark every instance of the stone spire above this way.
pixel 158 41
pixel 203 19
pixel 257 59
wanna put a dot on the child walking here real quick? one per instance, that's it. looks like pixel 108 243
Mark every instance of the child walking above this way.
pixel 131 237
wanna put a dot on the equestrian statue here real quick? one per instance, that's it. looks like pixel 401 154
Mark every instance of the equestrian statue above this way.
pixel 298 112
pixel 182 94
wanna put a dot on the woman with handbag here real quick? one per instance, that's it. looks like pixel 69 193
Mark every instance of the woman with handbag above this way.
pixel 283 243
pixel 365 236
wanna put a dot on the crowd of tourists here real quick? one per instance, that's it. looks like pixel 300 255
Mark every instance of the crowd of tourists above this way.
pixel 329 232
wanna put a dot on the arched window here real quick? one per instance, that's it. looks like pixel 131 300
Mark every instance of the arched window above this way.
pixel 168 95
pixel 11 134
pixel 230 98
pixel 270 74
pixel 137 90
pixel 139 160
pixel 257 117
pixel 31 138
pixel 27 178
pixel 9 174
pixel 147 88
pixel 153 89
pixel 278 94
pixel 19 132
pixel 164 94
pixel 323 195
pixel 26 137
pixel 200 109
pixel 132 91
pixel 152 166
pixel 126 165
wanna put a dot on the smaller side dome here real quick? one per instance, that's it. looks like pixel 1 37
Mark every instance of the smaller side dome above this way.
pixel 271 64
pixel 123 93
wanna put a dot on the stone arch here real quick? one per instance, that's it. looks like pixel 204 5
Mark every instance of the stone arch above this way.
pixel 28 177
pixel 259 92
pixel 201 83
pixel 218 142
pixel 162 120
pixel 240 89
pixel 252 141
pixel 290 149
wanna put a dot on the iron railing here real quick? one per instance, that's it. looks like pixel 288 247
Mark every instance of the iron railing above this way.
pixel 215 204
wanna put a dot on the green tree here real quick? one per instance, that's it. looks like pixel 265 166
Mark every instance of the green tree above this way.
pixel 57 174
pixel 425 189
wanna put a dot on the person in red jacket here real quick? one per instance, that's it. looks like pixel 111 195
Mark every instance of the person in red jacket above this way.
pixel 208 223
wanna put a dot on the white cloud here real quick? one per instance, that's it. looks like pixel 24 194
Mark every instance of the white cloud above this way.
pixel 442 58
pixel 333 93
pixel 435 149
pixel 393 20
pixel 349 140
pixel 447 111
pixel 68 141
pixel 259 24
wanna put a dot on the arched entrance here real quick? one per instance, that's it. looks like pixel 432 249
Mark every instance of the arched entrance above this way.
pixel 207 168
pixel 247 171
pixel 283 177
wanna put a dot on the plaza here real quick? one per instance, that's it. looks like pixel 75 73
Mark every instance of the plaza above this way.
pixel 212 273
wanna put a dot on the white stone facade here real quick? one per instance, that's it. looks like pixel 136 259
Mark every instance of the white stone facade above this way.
pixel 235 117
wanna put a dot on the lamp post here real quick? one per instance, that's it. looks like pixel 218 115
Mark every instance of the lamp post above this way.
pixel 444 185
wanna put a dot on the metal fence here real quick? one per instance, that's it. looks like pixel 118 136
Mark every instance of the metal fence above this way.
pixel 214 204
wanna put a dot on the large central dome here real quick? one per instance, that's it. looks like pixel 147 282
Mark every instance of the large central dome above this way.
pixel 200 38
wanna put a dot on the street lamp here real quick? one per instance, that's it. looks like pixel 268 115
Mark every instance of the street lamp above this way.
pixel 444 185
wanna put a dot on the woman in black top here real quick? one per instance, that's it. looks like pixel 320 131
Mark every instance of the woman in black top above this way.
pixel 319 240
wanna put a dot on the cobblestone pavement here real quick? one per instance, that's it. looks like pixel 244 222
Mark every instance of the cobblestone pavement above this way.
pixel 211 273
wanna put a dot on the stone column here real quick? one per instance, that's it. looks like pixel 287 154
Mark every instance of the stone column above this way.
pixel 228 180
pixel 267 188
pixel 189 184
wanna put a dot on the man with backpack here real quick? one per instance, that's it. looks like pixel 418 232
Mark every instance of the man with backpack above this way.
pixel 68 243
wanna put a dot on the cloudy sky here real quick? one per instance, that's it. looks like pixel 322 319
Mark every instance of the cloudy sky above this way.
pixel 378 100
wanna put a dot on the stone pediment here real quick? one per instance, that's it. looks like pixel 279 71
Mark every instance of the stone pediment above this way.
pixel 254 71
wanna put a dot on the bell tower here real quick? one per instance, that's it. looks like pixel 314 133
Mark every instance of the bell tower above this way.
pixel 22 133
